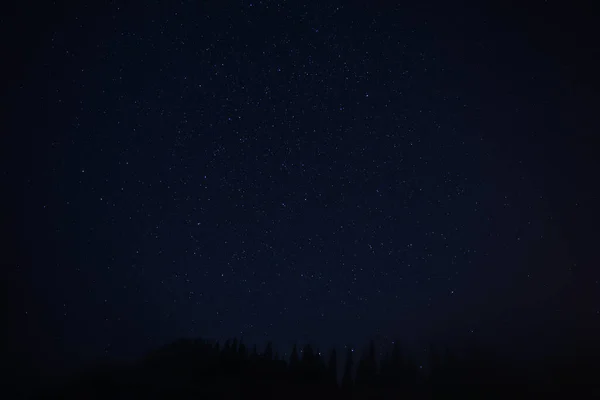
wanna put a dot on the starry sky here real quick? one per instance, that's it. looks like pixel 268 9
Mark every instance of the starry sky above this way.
pixel 326 172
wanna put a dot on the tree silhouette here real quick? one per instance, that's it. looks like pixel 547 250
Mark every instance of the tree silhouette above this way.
pixel 201 369
pixel 294 360
pixel 347 381
pixel 332 368
pixel 226 347
pixel 254 355
pixel 268 353
pixel 242 351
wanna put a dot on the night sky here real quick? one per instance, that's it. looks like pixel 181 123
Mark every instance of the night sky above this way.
pixel 324 172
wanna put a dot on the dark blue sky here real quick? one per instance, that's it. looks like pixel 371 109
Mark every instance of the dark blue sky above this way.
pixel 278 171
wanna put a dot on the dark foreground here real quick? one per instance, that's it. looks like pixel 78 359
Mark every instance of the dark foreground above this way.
pixel 197 369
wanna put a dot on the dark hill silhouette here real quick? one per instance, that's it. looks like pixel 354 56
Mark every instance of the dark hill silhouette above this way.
pixel 202 369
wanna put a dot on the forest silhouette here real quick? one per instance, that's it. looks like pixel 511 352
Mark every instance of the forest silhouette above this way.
pixel 197 369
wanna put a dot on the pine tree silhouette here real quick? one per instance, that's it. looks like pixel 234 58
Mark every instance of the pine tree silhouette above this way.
pixel 347 381
pixel 294 360
pixel 268 353
pixel 367 368
pixel 361 371
pixel 201 369
pixel 254 354
pixel 242 351
pixel 332 368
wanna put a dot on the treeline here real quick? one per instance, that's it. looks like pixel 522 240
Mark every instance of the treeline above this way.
pixel 189 369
